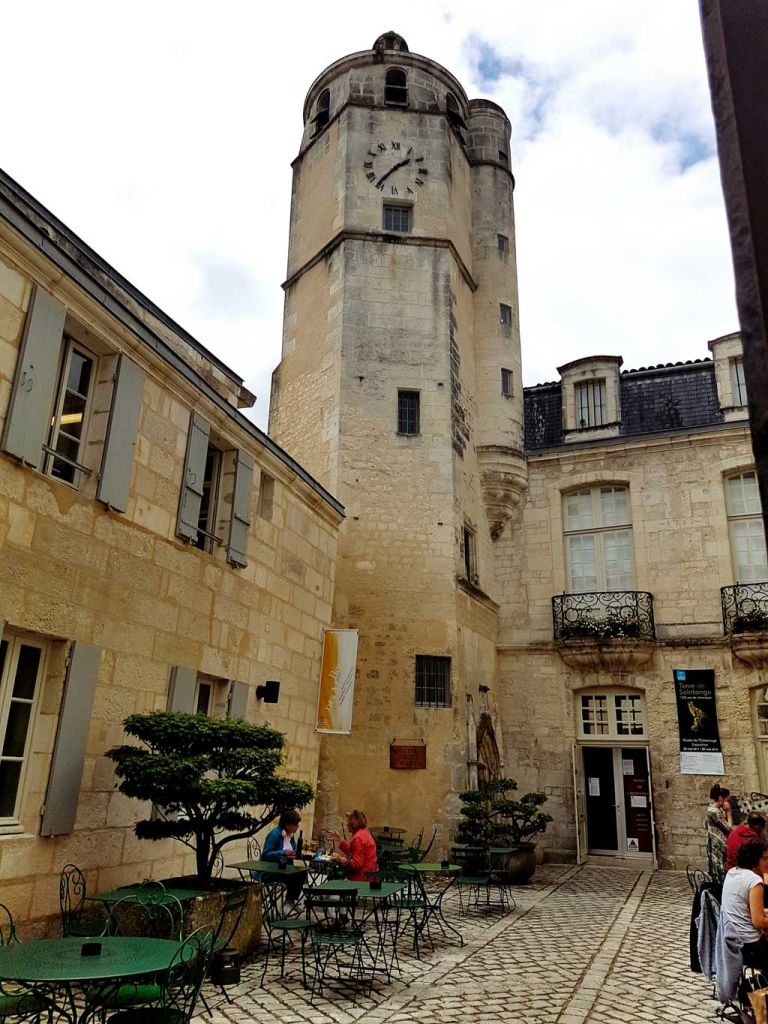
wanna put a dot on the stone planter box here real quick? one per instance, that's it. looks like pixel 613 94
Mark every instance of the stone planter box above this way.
pixel 205 911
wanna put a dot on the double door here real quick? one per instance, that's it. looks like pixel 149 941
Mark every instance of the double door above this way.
pixel 614 809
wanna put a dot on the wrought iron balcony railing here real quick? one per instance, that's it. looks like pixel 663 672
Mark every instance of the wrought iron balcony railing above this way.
pixel 745 607
pixel 604 615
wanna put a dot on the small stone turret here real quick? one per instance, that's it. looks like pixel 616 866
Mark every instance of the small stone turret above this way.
pixel 500 455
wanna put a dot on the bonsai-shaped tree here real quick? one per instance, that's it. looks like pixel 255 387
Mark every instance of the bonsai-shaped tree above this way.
pixel 212 780
pixel 491 817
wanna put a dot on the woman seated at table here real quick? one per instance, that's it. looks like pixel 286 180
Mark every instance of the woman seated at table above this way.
pixel 743 901
pixel 359 854
pixel 280 843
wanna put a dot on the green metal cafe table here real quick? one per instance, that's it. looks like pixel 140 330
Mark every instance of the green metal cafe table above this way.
pixel 269 867
pixel 60 962
pixel 165 895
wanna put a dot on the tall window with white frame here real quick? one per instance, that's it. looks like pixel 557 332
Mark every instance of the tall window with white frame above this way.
pixel 433 681
pixel 745 528
pixel 22 663
pixel 738 383
pixel 598 539
pixel 64 450
pixel 590 403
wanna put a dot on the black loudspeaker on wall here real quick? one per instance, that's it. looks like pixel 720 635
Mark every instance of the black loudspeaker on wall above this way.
pixel 269 692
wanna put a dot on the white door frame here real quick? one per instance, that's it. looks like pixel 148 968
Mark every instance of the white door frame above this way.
pixel 580 796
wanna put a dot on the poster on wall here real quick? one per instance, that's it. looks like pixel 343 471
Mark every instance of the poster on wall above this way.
pixel 337 681
pixel 700 752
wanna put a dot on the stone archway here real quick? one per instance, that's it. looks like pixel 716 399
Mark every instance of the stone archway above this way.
pixel 488 757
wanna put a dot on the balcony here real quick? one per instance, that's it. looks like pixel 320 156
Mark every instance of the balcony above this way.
pixel 609 630
pixel 745 621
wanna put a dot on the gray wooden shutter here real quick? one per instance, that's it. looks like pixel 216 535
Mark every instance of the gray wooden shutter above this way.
pixel 192 479
pixel 71 736
pixel 181 693
pixel 122 433
pixel 237 544
pixel 29 413
pixel 238 700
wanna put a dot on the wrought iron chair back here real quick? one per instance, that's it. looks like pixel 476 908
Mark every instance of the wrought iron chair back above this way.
pixel 186 975
pixel 7 927
pixel 232 911
pixel 161 916
pixel 72 893
pixel 253 849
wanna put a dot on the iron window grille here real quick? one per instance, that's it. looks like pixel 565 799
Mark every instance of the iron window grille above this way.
pixel 433 681
pixel 408 412
pixel 590 403
pixel 397 218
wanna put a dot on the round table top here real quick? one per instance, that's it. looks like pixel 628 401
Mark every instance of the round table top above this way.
pixel 431 868
pixel 62 959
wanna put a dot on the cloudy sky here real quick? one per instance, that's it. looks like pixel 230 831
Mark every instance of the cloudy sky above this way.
pixel 162 134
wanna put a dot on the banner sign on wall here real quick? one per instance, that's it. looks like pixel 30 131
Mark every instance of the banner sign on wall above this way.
pixel 337 681
pixel 700 752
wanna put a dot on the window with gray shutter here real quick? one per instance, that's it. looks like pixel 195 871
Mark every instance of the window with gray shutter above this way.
pixel 71 736
pixel 182 691
pixel 29 413
pixel 193 478
pixel 237 546
pixel 238 700
pixel 122 434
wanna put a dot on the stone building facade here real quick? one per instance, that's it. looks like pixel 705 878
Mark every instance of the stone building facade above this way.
pixel 156 551
pixel 627 497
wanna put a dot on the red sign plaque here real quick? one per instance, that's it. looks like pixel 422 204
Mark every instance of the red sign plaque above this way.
pixel 407 758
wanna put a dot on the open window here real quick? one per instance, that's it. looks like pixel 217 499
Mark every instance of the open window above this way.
pixel 322 112
pixel 396 87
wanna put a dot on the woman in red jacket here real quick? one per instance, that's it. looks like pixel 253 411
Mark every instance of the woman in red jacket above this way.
pixel 358 855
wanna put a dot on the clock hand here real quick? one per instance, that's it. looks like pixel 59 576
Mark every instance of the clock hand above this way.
pixel 392 170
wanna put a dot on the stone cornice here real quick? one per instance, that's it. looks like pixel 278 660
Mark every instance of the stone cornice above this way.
pixel 355 235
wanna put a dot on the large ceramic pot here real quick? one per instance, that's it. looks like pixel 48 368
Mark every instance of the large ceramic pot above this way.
pixel 521 863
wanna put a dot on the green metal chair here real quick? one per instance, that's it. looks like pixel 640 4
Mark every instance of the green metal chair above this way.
pixel 77 917
pixel 337 939
pixel 180 986
pixel 279 927
pixel 17 1001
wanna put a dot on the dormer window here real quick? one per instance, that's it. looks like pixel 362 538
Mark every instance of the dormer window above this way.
pixel 322 112
pixel 396 88
pixel 590 404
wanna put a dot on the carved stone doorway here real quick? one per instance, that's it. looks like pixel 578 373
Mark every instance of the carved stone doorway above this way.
pixel 488 758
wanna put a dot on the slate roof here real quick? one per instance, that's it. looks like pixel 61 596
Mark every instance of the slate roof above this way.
pixel 654 400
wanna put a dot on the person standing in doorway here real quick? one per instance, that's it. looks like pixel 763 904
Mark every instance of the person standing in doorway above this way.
pixel 718 823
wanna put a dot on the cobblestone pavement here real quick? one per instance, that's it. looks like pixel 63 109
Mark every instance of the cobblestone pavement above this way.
pixel 585 945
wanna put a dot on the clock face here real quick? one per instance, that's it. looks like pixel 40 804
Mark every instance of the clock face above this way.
pixel 395 169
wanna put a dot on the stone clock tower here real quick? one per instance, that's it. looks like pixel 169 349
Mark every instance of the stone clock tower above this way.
pixel 399 389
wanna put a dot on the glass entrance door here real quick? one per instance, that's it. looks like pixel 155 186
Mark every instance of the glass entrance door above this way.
pixel 617 798
pixel 600 784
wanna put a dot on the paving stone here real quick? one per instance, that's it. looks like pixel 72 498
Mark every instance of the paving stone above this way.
pixel 586 945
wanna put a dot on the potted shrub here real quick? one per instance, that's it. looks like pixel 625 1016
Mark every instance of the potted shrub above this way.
pixel 491 816
pixel 211 782
pixel 611 626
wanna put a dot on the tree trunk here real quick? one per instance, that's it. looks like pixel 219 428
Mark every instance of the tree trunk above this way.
pixel 203 860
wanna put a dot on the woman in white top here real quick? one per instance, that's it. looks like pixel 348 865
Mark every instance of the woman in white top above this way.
pixel 743 901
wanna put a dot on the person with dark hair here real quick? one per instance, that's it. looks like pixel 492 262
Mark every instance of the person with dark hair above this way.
pixel 359 854
pixel 718 826
pixel 743 904
pixel 751 829
pixel 280 843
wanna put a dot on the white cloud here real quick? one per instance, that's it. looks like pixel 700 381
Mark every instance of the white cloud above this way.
pixel 163 133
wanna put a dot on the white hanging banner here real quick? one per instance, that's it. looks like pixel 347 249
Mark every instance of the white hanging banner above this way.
pixel 337 681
